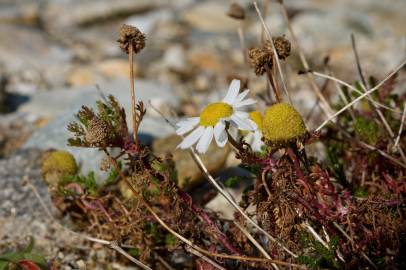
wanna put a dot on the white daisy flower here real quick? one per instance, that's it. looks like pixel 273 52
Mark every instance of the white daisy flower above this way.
pixel 212 120
pixel 255 138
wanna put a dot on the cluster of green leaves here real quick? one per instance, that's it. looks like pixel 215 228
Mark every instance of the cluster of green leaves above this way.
pixel 87 182
pixel 25 257
pixel 318 256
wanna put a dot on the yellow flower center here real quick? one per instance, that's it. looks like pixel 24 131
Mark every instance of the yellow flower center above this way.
pixel 214 112
pixel 257 118
pixel 282 124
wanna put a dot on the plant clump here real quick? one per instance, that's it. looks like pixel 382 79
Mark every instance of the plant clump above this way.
pixel 282 124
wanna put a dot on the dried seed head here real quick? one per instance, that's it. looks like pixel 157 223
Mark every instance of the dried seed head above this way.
pixel 236 11
pixel 97 133
pixel 282 46
pixel 260 59
pixel 131 35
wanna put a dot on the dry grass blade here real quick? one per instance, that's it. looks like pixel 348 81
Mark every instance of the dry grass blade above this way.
pixel 352 241
pixel 361 96
pixel 352 88
pixel 402 122
pixel 204 258
pixel 259 247
pixel 278 64
pixel 325 106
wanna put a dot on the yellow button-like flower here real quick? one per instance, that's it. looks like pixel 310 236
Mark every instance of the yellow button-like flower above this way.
pixel 282 124
pixel 57 165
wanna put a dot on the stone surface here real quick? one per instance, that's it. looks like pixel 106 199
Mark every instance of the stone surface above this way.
pixel 30 60
pixel 61 105
pixel 92 11
pixel 189 174
pixel 210 16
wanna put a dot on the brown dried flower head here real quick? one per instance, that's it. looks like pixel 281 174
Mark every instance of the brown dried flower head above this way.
pixel 98 132
pixel 282 46
pixel 260 60
pixel 236 12
pixel 131 35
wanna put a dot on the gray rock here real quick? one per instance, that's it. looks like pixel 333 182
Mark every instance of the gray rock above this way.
pixel 61 105
pixel 92 11
pixel 16 199
pixel 19 11
pixel 210 16
pixel 147 22
pixel 30 59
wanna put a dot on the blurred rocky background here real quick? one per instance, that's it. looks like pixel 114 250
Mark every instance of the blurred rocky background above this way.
pixel 57 55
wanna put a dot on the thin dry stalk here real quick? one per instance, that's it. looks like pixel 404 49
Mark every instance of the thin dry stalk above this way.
pixel 402 121
pixel 278 64
pixel 259 247
pixel 353 242
pixel 388 128
pixel 352 88
pixel 365 88
pixel 242 43
pixel 163 262
pixel 132 92
pixel 325 106
pixel 316 236
pixel 370 147
pixel 128 256
pixel 204 258
pixel 362 96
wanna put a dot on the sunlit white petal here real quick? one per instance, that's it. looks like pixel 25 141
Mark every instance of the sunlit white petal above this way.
pixel 241 123
pixel 205 140
pixel 246 102
pixel 220 134
pixel 192 138
pixel 242 95
pixel 189 121
pixel 241 114
pixel 257 142
pixel 232 92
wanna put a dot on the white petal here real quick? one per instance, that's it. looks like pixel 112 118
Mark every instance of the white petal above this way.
pixel 220 134
pixel 188 121
pixel 184 129
pixel 232 92
pixel 242 95
pixel 187 125
pixel 192 138
pixel 241 114
pixel 257 141
pixel 252 123
pixel 205 140
pixel 241 123
pixel 246 102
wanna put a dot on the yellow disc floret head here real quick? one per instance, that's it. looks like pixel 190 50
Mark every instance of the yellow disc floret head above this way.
pixel 282 125
pixel 56 165
pixel 211 115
